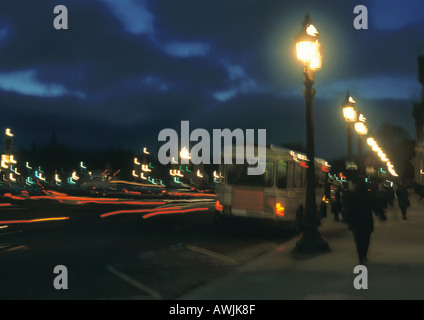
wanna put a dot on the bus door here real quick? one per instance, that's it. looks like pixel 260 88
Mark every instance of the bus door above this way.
pixel 289 187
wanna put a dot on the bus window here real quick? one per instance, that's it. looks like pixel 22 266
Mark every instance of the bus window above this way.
pixel 298 176
pixel 237 175
pixel 303 178
pixel 322 179
pixel 290 175
pixel 281 174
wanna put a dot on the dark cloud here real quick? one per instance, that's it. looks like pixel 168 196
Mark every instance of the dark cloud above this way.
pixel 125 70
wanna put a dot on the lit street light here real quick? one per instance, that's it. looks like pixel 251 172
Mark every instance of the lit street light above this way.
pixel 8 133
pixel 362 130
pixel 349 113
pixel 374 146
pixel 308 51
pixel 7 159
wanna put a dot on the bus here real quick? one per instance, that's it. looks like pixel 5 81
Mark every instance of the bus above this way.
pixel 278 195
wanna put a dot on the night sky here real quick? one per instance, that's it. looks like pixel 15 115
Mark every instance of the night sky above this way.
pixel 126 69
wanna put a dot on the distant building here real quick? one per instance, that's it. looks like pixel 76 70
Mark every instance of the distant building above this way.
pixel 418 113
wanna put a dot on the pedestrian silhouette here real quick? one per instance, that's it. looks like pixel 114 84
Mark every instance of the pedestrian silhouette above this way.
pixel 403 199
pixel 382 202
pixel 360 204
pixel 344 192
pixel 336 204
pixel 389 195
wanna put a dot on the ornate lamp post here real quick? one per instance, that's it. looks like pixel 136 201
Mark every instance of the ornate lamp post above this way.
pixel 362 130
pixel 349 113
pixel 309 53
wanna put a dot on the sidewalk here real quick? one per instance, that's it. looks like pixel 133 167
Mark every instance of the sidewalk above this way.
pixel 395 267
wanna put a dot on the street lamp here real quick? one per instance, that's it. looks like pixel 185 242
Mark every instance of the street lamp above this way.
pixel 7 158
pixel 362 130
pixel 349 113
pixel 308 51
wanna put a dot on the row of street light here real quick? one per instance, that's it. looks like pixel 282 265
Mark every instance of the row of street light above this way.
pixel 350 114
pixel 308 50
pixel 374 146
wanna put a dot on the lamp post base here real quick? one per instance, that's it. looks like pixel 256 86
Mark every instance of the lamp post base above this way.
pixel 311 242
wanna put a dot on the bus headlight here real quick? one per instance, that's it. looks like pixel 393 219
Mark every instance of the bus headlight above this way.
pixel 219 206
pixel 279 210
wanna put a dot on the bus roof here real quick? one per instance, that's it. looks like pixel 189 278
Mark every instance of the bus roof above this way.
pixel 275 151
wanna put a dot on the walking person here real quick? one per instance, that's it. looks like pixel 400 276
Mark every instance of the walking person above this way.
pixel 360 205
pixel 390 195
pixel 403 198
pixel 336 203
pixel 381 202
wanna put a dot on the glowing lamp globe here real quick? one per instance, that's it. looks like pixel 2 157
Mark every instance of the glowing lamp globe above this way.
pixel 308 48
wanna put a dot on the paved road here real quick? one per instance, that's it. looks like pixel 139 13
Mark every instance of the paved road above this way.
pixel 123 255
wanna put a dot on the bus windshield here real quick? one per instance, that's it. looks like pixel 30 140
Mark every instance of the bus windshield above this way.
pixel 237 175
